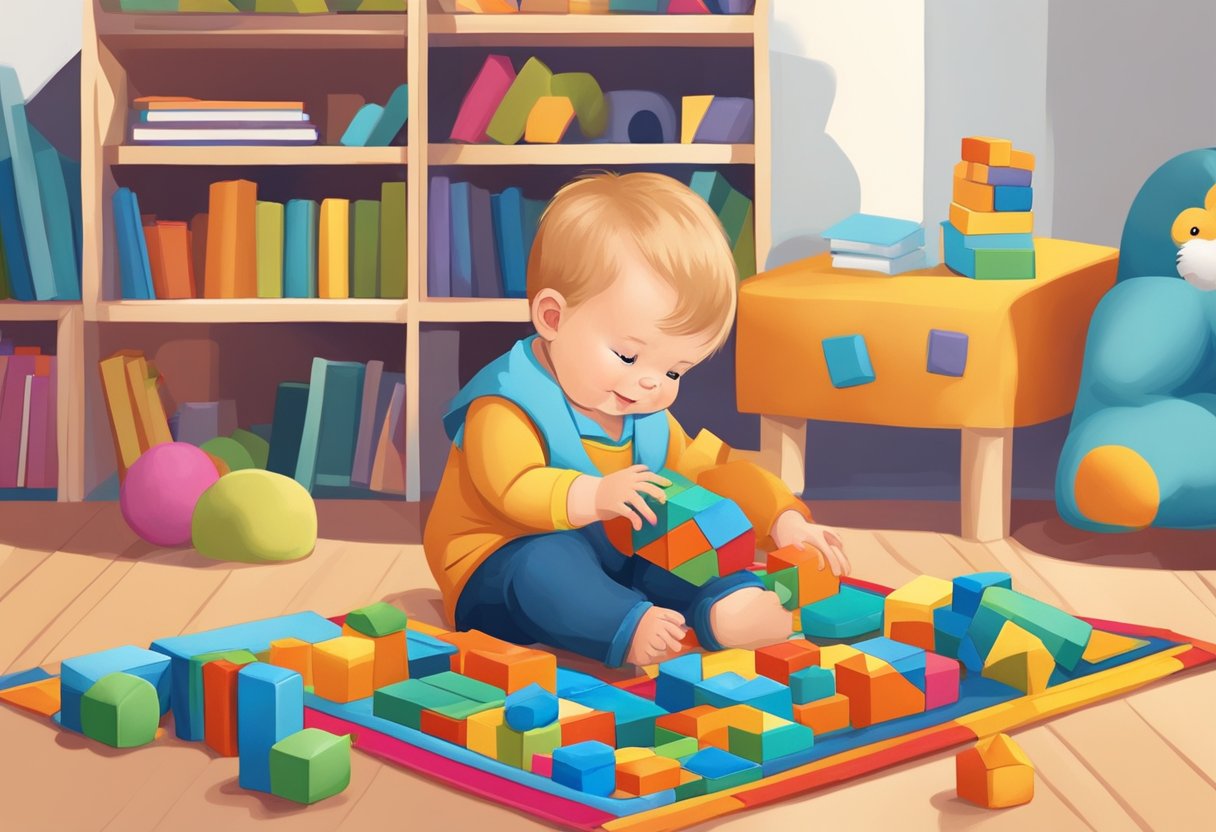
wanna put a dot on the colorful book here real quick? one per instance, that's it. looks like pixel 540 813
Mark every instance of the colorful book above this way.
pixel 333 249
pixel 482 99
pixel 17 263
pixel 438 240
pixel 5 291
pixel 533 81
pixel 12 412
pixel 461 242
pixel 270 249
pixel 508 210
pixel 712 187
pixel 364 248
pixel 290 406
pixel 361 465
pixel 534 209
pixel 204 117
pixel 38 472
pixel 123 425
pixel 232 240
pixel 177 102
pixel 57 217
pixel 388 469
pixel 393 247
pixel 362 473
pixel 331 423
pixel 15 144
pixel 177 260
pixel 487 282
pixel 914 259
pixel 202 135
pixel 158 418
pixel 132 247
pixel 156 259
pixel 300 249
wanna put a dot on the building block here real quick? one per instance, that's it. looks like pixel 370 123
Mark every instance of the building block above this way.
pixel 1103 646
pixel 737 554
pixel 40 696
pixel 687 7
pixel 1065 636
pixel 293 654
pixel 585 94
pixel 542 764
pixel 390 658
pixel 509 120
pixel 721 769
pixel 120 710
pixel 375 620
pixel 482 99
pixel 1019 659
pixel 990 261
pixel 343 668
pixel 733 660
pixel 568 708
pixel 947 355
pixel 219 706
pixel 984 222
pixel 77 675
pixel 913 632
pixel 949 630
pixel 784 582
pixel 678 749
pixel 877 692
pixel 649 775
pixel 942 676
pixel 675 548
pixel 597 726
pixel 440 726
pixel 359 131
pixel 850 613
pixel 467 688
pixel 692 110
pixel 824 716
pixel 404 702
pixel 973 195
pixel 639 117
pixel 987 151
pixel 833 654
pixel 702 722
pixel 634 715
pixel 780 661
pixel 516 748
pixel 630 753
pixel 722 522
pixel 310 765
pixel 255 636
pixel 761 693
pixel 994 175
pixel 481 732
pixel 427 655
pixel 811 683
pixel 197 663
pixel 728 120
pixel 588 767
pixel 549 119
pixel 916 601
pixel 906 658
pixel 700 570
pixel 771 743
pixel 995 773
pixel 848 361
pixel 814 584
pixel 668 514
pixel 531 707
pixel 1010 198
pixel 574 681
pixel 514 670
pixel 676 680
pixel 1021 160
pixel 270 707
pixel 969 589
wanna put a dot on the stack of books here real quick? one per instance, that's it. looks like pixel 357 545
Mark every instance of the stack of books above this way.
pixel 41 229
pixel 260 6
pixel 138 420
pixel 598 6
pixel 29 451
pixel 736 213
pixel 877 244
pixel 989 235
pixel 246 248
pixel 174 120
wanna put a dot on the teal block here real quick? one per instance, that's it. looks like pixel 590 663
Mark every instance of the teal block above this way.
pixel 634 715
pixel 949 628
pixel 310 765
pixel 969 589
pixel 471 689
pixel 359 131
pixel 722 522
pixel 762 693
pixel 985 263
pixel 771 744
pixel 850 613
pixel 985 626
pixel 667 514
pixel 403 702
pixel 848 361
pixel 811 684
pixel 1065 636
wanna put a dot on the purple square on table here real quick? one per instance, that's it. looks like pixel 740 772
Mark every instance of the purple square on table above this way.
pixel 947 352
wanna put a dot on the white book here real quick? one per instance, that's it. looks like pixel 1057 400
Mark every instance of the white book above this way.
pixel 908 244
pixel 884 265
pixel 284 135
pixel 204 116
pixel 23 454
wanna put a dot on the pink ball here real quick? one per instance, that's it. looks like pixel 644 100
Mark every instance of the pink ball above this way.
pixel 161 489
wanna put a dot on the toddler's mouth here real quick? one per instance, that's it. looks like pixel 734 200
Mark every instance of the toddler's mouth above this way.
pixel 623 400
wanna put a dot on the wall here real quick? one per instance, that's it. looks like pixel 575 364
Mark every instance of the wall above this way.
pixel 38 38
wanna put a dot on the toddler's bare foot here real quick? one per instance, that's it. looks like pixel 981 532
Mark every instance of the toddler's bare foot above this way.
pixel 657 636
pixel 752 617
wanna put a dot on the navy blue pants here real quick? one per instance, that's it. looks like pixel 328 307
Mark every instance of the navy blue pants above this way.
pixel 574 590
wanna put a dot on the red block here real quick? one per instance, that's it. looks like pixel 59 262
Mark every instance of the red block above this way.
pixel 443 727
pixel 917 633
pixel 597 725
pixel 738 554
pixel 219 706
pixel 620 534
pixel 778 661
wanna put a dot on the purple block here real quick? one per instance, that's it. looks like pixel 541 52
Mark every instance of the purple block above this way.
pixel 947 352
pixel 728 121
pixel 198 422
pixel 639 117
pixel 733 6
pixel 1015 177
pixel 6 346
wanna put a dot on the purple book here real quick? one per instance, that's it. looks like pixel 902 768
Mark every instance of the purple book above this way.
pixel 438 240
pixel 12 408
pixel 361 470
pixel 52 420
pixel 487 283
pixel 37 468
pixel 6 346
pixel 198 422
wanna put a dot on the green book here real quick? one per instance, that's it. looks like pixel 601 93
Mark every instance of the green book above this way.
pixel 270 249
pixel 331 423
pixel 532 82
pixel 291 6
pixel 737 220
pixel 393 218
pixel 364 248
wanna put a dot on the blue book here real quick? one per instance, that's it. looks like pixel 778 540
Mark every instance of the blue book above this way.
pixel 71 180
pixel 270 708
pixel 880 236
pixel 392 119
pixel 128 233
pixel 290 405
pixel 57 215
pixel 533 208
pixel 438 240
pixel 508 209
pixel 16 145
pixel 486 280
pixel 21 282
pixel 141 250
pixel 712 187
pixel 300 249
pixel 331 423
pixel 462 241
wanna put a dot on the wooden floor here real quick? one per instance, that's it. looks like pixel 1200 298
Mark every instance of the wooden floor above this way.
pixel 74 579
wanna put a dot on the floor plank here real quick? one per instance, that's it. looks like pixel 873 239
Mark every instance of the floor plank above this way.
pixel 1026 577
pixel 346 579
pixel 1059 769
pixel 872 561
pixel 925 552
pixel 1181 713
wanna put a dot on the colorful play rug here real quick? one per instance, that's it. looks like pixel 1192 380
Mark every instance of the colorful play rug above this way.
pixel 875 678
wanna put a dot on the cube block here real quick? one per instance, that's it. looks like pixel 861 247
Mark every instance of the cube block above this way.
pixel 700 570
pixel 481 732
pixel 877 692
pixel 814 584
pixel 985 150
pixel 460 643
pixel 634 716
pixel 824 716
pixel 404 702
pixel 79 674
pixel 680 545
pixel 598 726
pixel 848 361
pixel 942 676
pixel 120 710
pixel 588 767
pixel 427 654
pixel 738 554
pixel 772 743
pixel 532 707
pixel 995 773
pixel 1064 635
pixel 440 726
pixel 676 680
pixel 513 670
pixel 989 256
pixel 909 660
pixel 293 654
pixel 947 352
pixel 648 775
pixel 516 748
pixel 343 668
pixel 812 683
pixel 722 522
pixel 850 613
pixel 969 589
pixel 780 661
pixel 310 765
pixel 390 658
pixel 970 222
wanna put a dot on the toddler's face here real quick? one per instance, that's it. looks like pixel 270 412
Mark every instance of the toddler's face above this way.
pixel 611 355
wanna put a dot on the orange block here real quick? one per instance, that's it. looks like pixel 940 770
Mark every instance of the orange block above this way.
pixel 549 119
pixel 918 633
pixel 219 706
pixel 824 715
pixel 513 671
pixel 391 663
pixel 620 534
pixel 778 661
pixel 343 669
pixel 678 546
pixel 597 725
pixel 648 775
pixel 1023 159
pixel 973 195
pixel 444 727
pixel 709 724
pixel 877 692
pixel 987 151
pixel 814 584
pixel 474 640
pixel 293 654
pixel 995 773
pixel 41 697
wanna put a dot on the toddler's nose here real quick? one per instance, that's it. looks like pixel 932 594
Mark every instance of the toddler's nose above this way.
pixel 647 383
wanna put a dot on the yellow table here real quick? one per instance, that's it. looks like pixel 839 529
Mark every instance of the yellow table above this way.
pixel 1026 339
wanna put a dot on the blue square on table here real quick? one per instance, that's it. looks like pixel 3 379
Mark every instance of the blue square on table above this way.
pixel 947 352
pixel 848 360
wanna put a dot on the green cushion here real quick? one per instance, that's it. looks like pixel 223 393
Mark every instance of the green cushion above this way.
pixel 229 450
pixel 255 516
pixel 121 710
pixel 257 447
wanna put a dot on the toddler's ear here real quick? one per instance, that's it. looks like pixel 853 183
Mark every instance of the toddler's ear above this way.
pixel 548 307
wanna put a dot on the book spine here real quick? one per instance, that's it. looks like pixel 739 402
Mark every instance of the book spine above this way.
pixel 310 433
pixel 361 468
pixel 21 281
pixel 300 249
pixel 365 248
pixel 19 147
pixel 339 423
pixel 12 415
pixel 461 242
pixel 509 234
pixel 438 251
pixel 246 244
pixel 156 258
pixel 270 249
pixel 290 407
pixel 38 473
pixel 57 217
pixel 124 238
pixel 23 456
pixel 393 247
pixel 333 257
pixel 486 274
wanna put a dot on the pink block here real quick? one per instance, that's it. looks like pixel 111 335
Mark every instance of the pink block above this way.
pixel 738 554
pixel 482 99
pixel 542 764
pixel 941 680
pixel 687 7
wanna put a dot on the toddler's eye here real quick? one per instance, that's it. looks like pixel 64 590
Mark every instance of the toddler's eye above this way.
pixel 628 359
pixel 673 375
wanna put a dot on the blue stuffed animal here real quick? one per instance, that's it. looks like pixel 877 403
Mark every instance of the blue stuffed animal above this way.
pixel 1141 449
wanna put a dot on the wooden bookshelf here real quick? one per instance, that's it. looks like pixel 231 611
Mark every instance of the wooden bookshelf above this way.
pixel 112 40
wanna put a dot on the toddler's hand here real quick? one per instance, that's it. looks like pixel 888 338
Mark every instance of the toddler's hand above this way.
pixel 792 529
pixel 622 495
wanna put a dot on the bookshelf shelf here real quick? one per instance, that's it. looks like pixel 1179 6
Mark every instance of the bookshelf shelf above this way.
pixel 232 156
pixel 253 31
pixel 471 310
pixel 592 154
pixel 11 310
pixel 590 30
pixel 259 310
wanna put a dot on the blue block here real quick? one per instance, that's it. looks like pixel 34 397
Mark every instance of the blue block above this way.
pixel 1012 198
pixel 850 613
pixel 812 684
pixel 722 522
pixel 969 589
pixel 848 361
pixel 24 677
pixel 713 763
pixel 254 636
pixel 674 687
pixel 970 655
pixel 789 761
pixel 947 353
pixel 981 635
pixel 949 629
pixel 570 682
pixel 589 767
pixel 427 655
pixel 79 674
pixel 270 707
pixel 634 715
pixel 359 131
pixel 531 707
pixel 762 693
pixel 908 659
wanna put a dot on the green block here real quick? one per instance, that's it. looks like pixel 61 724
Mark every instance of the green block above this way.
pixel 310 765
pixel 665 736
pixel 257 447
pixel 471 689
pixel 533 81
pixel 784 582
pixel 693 788
pixel 588 99
pixel 404 702
pixel 195 668
pixel 677 749
pixel 1004 264
pixel 515 748
pixel 463 709
pixel 1064 635
pixel 700 570
pixel 729 781
pixel 774 743
pixel 693 500
pixel 121 710
pixel 378 619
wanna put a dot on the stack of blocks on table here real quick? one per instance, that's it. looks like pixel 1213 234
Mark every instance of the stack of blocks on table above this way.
pixel 699 536
pixel 989 235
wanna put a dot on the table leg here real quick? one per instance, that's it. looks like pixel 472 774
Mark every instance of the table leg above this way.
pixel 783 449
pixel 986 481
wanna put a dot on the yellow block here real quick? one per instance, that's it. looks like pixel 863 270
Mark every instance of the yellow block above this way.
pixel 333 249
pixel 771 721
pixel 343 669
pixel 631 753
pixel 293 654
pixel 973 195
pixel 1022 159
pixel 916 601
pixel 481 731
pixel 833 654
pixel 694 109
pixel 391 662
pixel 549 119
pixel 734 660
pixel 1103 646
pixel 982 222
pixel 567 709
pixel 987 151
pixel 41 697
pixel 1019 659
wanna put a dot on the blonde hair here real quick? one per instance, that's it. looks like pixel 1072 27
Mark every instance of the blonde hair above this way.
pixel 590 223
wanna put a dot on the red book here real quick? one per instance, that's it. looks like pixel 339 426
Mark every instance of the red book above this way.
pixel 12 408
pixel 52 420
pixel 37 474
pixel 482 99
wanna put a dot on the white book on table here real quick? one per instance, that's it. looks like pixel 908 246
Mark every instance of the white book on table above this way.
pixel 904 246
pixel 884 265
pixel 23 454
pixel 226 134
pixel 206 116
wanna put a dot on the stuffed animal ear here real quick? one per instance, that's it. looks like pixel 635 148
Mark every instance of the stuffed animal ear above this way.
pixel 1209 201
